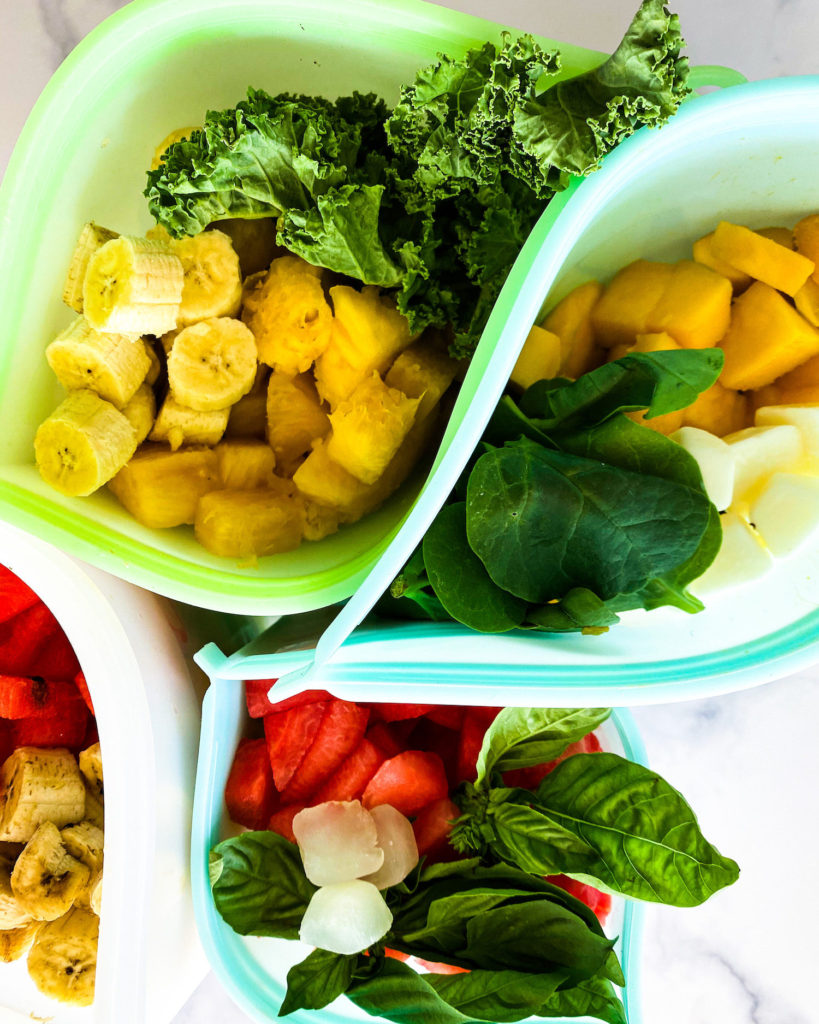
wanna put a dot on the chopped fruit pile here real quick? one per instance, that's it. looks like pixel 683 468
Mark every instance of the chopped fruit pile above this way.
pixel 51 801
pixel 262 407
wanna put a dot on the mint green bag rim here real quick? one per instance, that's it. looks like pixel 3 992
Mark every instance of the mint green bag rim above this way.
pixel 253 989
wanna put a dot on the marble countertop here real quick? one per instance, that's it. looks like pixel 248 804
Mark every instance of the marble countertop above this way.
pixel 747 762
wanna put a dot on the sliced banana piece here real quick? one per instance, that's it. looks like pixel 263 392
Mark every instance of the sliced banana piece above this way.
pixel 12 912
pixel 63 959
pixel 82 444
pixel 39 786
pixel 46 879
pixel 90 763
pixel 141 412
pixel 177 135
pixel 213 281
pixel 212 364
pixel 111 365
pixel 177 424
pixel 85 841
pixel 15 942
pixel 133 286
pixel 155 369
pixel 92 237
pixel 95 893
pixel 94 806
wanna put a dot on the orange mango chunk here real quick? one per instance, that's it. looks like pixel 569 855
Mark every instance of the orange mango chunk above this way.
pixel 719 410
pixel 623 310
pixel 666 424
pixel 571 321
pixel 703 253
pixel 782 236
pixel 773 394
pixel 804 376
pixel 694 308
pixel 658 342
pixel 806 240
pixel 763 259
pixel 766 339
pixel 807 301
pixel 539 358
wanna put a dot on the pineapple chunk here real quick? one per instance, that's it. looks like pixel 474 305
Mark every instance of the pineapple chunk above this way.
pixel 786 512
pixel 716 461
pixel 178 425
pixel 804 417
pixel 741 558
pixel 161 489
pixel 245 464
pixel 289 316
pixel 295 419
pixel 249 523
pixel 759 452
pixel 369 427
pixel 248 417
pixel 317 521
pixel 368 333
pixel 422 371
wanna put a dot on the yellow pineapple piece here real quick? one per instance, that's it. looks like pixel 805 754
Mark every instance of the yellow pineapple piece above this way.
pixel 161 489
pixel 295 419
pixel 245 464
pixel 368 333
pixel 254 241
pixel 288 315
pixel 245 523
pixel 248 417
pixel 369 427
pixel 422 371
pixel 317 521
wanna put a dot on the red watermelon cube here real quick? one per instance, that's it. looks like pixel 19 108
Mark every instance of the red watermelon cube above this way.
pixel 289 736
pixel 15 596
pixel 282 821
pixel 408 781
pixel 350 779
pixel 432 828
pixel 250 795
pixel 258 705
pixel 340 732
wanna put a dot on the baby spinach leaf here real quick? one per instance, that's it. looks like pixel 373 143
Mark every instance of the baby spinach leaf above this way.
pixel 461 582
pixel 497 995
pixel 317 981
pixel 398 993
pixel 262 888
pixel 594 997
pixel 520 737
pixel 580 611
pixel 645 837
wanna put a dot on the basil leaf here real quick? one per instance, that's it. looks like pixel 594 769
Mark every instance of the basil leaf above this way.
pixel 399 994
pixel 497 995
pixel 317 981
pixel 460 581
pixel 445 927
pixel 520 737
pixel 531 840
pixel 645 836
pixel 594 997
pixel 262 888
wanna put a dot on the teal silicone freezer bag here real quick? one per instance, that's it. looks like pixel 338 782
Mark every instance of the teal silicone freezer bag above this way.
pixel 742 154
pixel 253 970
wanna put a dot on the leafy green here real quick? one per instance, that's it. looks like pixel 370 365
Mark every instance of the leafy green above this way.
pixel 398 993
pixel 317 981
pixel 497 995
pixel 594 997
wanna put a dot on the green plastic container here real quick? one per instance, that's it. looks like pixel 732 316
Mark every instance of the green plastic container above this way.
pixel 152 67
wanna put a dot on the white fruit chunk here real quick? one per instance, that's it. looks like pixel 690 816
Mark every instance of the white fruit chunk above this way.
pixel 759 452
pixel 345 917
pixel 804 417
pixel 742 557
pixel 338 841
pixel 715 459
pixel 397 840
pixel 786 513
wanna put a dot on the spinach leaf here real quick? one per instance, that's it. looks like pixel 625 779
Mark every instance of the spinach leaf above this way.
pixel 497 995
pixel 261 888
pixel 317 981
pixel 594 997
pixel 544 522
pixel 645 837
pixel 401 995
pixel 520 737
pixel 461 582
pixel 580 611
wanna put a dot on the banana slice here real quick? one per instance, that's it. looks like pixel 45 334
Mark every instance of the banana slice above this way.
pixel 212 364
pixel 141 412
pixel 111 365
pixel 155 369
pixel 178 425
pixel 94 807
pixel 14 942
pixel 95 893
pixel 63 960
pixel 90 763
pixel 82 444
pixel 12 912
pixel 92 237
pixel 213 281
pixel 177 135
pixel 84 842
pixel 46 879
pixel 133 286
pixel 39 785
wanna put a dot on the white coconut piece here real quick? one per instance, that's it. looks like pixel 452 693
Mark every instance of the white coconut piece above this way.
pixel 760 452
pixel 786 513
pixel 804 417
pixel 338 841
pixel 345 917
pixel 716 461
pixel 742 558
pixel 397 840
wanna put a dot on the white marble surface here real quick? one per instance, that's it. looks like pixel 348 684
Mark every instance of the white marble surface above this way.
pixel 749 762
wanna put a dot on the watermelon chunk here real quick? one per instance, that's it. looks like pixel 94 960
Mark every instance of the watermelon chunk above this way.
pixel 82 686
pixel 289 736
pixel 440 740
pixel 6 742
pixel 15 596
pixel 408 782
pixel 352 775
pixel 258 705
pixel 449 715
pixel 599 902
pixel 340 732
pixel 531 778
pixel 432 968
pixel 282 821
pixel 56 658
pixel 35 697
pixel 66 731
pixel 391 737
pixel 432 828
pixel 33 644
pixel 398 712
pixel 472 733
pixel 250 795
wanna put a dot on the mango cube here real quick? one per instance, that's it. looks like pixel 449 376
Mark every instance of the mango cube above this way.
pixel 804 376
pixel 694 307
pixel 658 342
pixel 539 358
pixel 806 240
pixel 786 512
pixel 249 523
pixel 780 235
pixel 295 419
pixel 716 461
pixel 762 258
pixel 666 423
pixel 766 339
pixel 806 301
pixel 161 489
pixel 571 321
pixel 703 252
pixel 369 427
pixel 759 452
pixel 623 310
pixel 719 410
pixel 422 371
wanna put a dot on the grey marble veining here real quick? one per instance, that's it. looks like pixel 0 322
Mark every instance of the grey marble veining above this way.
pixel 749 762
